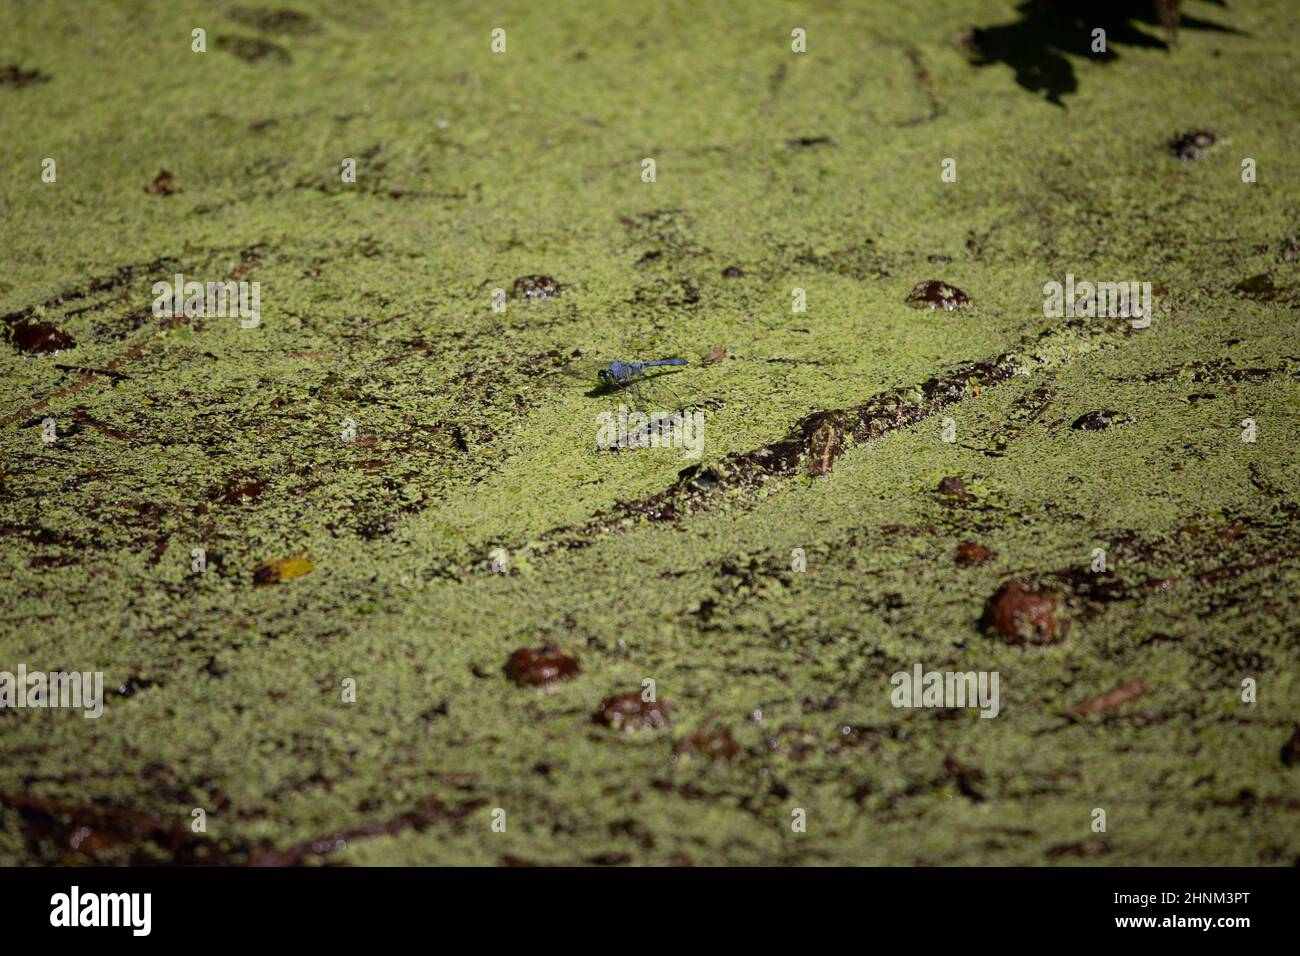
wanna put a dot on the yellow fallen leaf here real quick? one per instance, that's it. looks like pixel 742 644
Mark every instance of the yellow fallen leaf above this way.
pixel 284 569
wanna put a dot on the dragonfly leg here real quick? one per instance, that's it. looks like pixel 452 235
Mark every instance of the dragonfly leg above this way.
pixel 634 387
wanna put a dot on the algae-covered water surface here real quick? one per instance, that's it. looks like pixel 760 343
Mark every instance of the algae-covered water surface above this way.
pixel 943 547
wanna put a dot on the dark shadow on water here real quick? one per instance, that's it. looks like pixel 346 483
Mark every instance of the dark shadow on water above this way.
pixel 1039 44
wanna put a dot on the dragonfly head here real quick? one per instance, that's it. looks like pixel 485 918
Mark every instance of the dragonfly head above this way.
pixel 604 376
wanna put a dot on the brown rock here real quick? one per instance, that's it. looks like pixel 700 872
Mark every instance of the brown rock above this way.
pixel 17 76
pixel 971 553
pixel 628 713
pixel 237 491
pixel 934 294
pixel 1099 420
pixel 1192 145
pixel 954 487
pixel 39 337
pixel 1023 615
pixel 541 666
pixel 714 744
pixel 536 287
pixel 164 184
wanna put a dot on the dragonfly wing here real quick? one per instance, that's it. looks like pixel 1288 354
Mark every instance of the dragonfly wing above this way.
pixel 581 372
pixel 658 389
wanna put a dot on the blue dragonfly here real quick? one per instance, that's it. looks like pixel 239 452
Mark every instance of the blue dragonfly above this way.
pixel 631 378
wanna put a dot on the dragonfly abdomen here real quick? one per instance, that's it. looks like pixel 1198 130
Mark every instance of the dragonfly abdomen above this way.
pixel 638 366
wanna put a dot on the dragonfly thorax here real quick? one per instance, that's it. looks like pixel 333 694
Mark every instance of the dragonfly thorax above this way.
pixel 617 372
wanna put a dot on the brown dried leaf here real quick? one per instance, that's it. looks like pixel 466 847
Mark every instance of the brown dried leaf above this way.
pixel 1111 700
pixel 825 446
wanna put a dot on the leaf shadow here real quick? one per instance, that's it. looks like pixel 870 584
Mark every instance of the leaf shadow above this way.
pixel 1038 45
